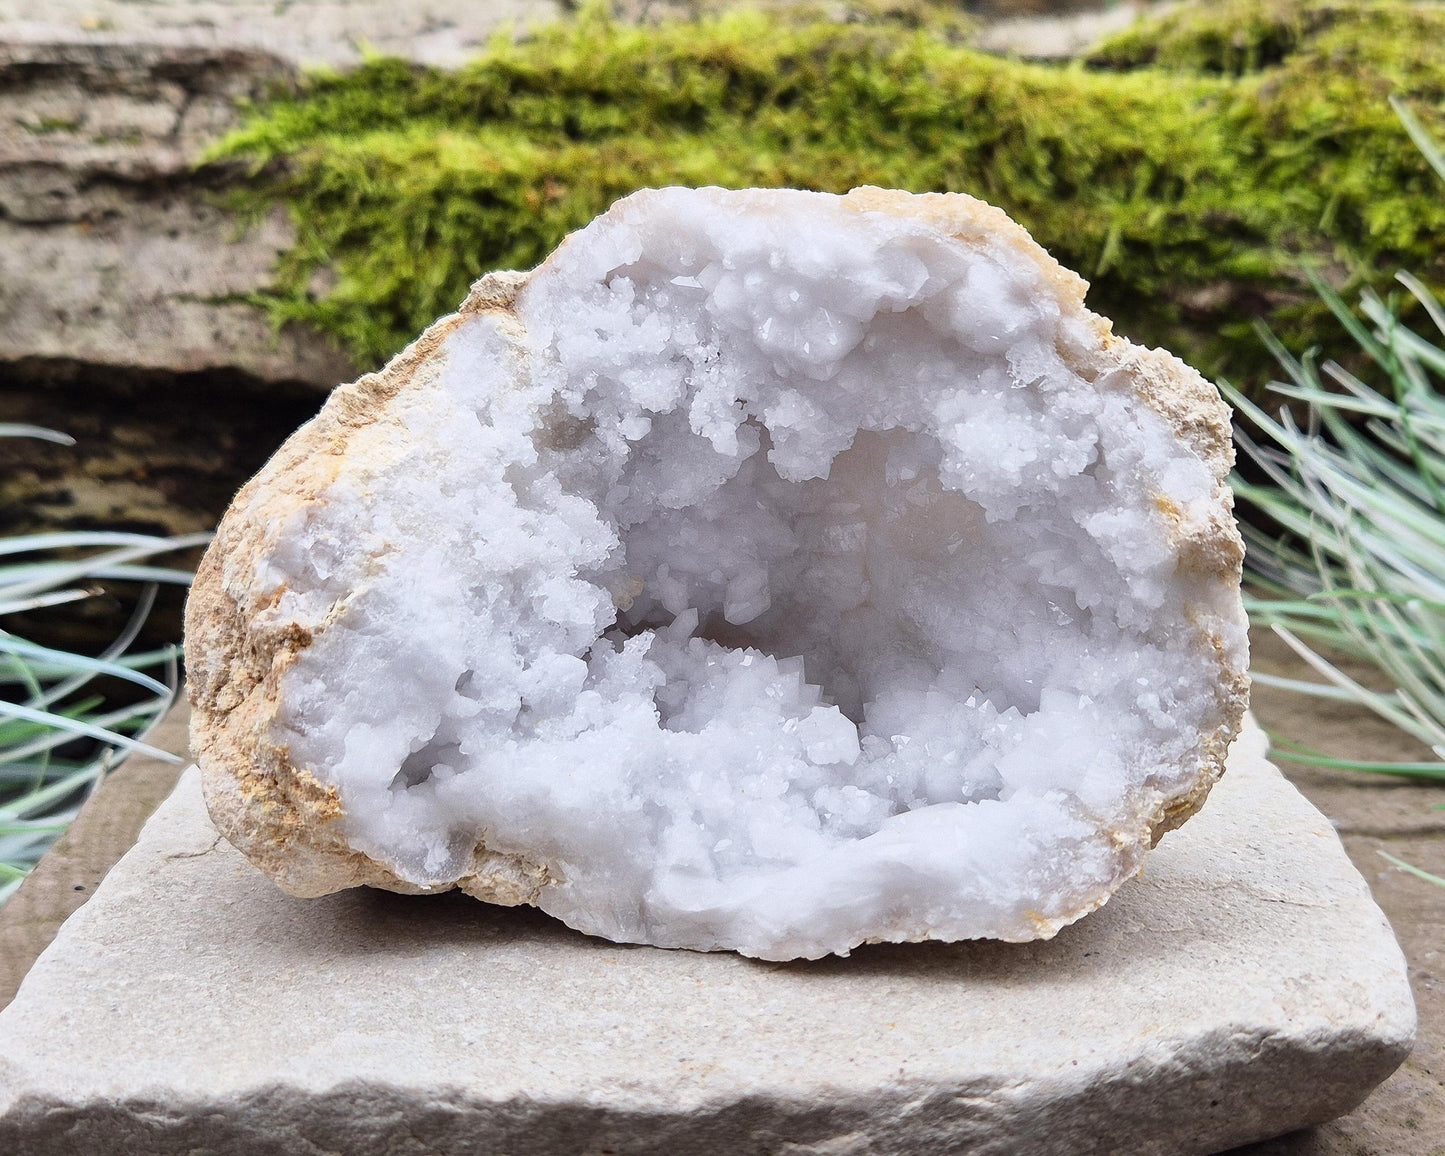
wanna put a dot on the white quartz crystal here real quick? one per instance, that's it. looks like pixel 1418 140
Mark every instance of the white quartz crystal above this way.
pixel 775 573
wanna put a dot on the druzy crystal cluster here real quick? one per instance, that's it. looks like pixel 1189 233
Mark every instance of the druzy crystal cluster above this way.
pixel 767 571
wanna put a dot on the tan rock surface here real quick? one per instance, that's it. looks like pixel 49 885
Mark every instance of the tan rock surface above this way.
pixel 307 32
pixel 113 252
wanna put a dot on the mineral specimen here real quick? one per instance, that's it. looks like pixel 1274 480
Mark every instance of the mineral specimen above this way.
pixel 767 571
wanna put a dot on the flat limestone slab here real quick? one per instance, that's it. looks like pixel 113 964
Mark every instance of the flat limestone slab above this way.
pixel 1248 985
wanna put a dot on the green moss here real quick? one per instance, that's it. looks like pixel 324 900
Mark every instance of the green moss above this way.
pixel 1193 181
pixel 1236 37
pixel 45 125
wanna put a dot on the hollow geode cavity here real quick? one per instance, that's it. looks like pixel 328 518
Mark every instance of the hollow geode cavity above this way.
pixel 772 571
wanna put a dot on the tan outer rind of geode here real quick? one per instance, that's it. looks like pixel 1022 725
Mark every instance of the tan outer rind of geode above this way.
pixel 285 820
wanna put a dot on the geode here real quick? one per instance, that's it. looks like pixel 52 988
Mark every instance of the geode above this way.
pixel 768 571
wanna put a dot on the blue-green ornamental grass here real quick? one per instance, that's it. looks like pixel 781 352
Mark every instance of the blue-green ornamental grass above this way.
pixel 59 733
pixel 1354 477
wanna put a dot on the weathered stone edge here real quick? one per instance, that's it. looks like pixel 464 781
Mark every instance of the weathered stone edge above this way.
pixel 1138 1108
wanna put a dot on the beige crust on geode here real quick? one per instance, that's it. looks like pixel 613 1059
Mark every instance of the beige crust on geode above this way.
pixel 285 820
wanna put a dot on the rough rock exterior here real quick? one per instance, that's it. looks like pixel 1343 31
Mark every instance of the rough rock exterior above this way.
pixel 1246 986
pixel 254 616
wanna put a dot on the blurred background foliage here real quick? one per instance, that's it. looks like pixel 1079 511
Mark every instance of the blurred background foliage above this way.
pixel 1196 168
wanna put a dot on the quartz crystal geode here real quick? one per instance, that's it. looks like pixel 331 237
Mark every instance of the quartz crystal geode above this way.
pixel 769 571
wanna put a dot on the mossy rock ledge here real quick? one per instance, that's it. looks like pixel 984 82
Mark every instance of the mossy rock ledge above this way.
pixel 1196 168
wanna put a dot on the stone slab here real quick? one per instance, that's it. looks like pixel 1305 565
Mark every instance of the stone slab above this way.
pixel 1246 986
